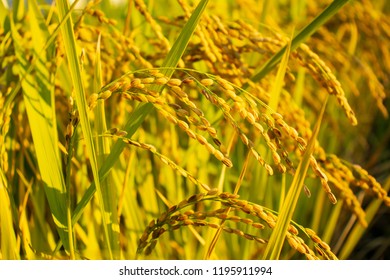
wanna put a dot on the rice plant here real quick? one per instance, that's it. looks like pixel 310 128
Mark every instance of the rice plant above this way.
pixel 187 129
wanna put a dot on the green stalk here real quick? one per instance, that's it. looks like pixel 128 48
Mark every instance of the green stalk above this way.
pixel 68 197
pixel 278 235
pixel 103 149
pixel 8 238
pixel 75 72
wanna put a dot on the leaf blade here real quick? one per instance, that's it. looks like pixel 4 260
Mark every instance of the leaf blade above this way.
pixel 302 36
pixel 275 244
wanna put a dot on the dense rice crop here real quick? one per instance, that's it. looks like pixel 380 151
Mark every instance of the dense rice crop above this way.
pixel 186 129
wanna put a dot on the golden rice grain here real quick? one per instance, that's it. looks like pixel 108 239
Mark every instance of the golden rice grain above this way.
pixel 174 83
pixel 207 82
pixel 161 81
pixel 105 94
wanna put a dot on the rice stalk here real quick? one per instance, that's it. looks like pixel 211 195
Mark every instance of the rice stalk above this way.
pixel 8 238
pixel 275 244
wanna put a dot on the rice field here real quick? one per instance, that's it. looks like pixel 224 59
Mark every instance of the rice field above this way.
pixel 189 130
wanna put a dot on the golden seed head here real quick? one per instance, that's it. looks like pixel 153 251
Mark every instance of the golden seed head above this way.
pixel 209 148
pixel 310 257
pixel 212 192
pixel 293 242
pixel 197 111
pixel 301 249
pixel 248 236
pixel 174 82
pixel 259 127
pixel 217 142
pixel 258 225
pixel 161 81
pixel 105 94
pixel 332 198
pixel 93 98
pixel 121 133
pixel 244 139
pixel 152 224
pixel 148 80
pixel 282 168
pixel 204 186
pixel 126 84
pixel 69 130
pixel 301 141
pixel 218 155
pixel 205 121
pixel 227 162
pixel 151 148
pixel 260 240
pixel 115 86
pixel 294 134
pixel 188 80
pixel 228 230
pixel 182 112
pixel 207 82
pixel 224 195
pixel 213 225
pixel 183 125
pixel 277 116
pixel 154 72
pixel 325 186
pixel 71 101
pixel 136 83
pixel 276 157
pixel 292 229
pixel 324 246
pixel 225 84
pixel 246 221
pixel 113 130
pixel 269 169
pixel 178 91
pixel 188 222
pixel 251 118
pixel 232 94
pixel 238 232
pixel 310 232
pixel 201 139
pixel 315 238
pixel 307 191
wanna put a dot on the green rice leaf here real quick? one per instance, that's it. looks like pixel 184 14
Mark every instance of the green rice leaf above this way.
pixel 75 72
pixel 275 244
pixel 3 14
pixel 9 248
pixel 109 191
pixel 39 100
pixel 49 41
pixel 301 37
pixel 18 8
